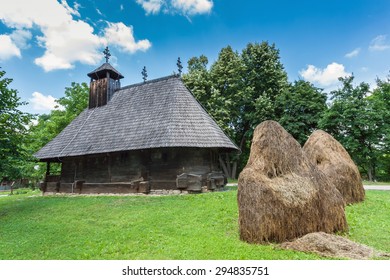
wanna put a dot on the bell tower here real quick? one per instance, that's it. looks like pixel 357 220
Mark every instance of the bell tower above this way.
pixel 105 80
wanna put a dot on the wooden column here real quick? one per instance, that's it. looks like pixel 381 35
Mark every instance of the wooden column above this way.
pixel 48 168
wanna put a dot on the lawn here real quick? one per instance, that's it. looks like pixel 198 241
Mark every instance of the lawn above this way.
pixel 200 226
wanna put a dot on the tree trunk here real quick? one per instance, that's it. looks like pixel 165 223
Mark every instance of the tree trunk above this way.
pixel 224 168
pixel 234 171
pixel 228 165
pixel 369 173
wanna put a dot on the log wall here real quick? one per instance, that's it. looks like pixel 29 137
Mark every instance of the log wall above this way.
pixel 159 167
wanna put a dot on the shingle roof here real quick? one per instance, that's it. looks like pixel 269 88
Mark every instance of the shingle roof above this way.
pixel 158 113
pixel 101 71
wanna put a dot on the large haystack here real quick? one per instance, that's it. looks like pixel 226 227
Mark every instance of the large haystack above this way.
pixel 281 195
pixel 329 245
pixel 332 159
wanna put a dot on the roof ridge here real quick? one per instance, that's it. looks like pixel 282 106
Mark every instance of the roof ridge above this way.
pixel 151 81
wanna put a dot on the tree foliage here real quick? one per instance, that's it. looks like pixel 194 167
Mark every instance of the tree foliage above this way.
pixel 13 123
pixel 74 101
pixel 301 107
pixel 358 119
pixel 238 90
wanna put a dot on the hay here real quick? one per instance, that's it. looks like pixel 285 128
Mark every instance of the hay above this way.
pixel 332 159
pixel 281 195
pixel 329 245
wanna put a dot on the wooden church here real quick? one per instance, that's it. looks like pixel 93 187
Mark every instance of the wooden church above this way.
pixel 139 138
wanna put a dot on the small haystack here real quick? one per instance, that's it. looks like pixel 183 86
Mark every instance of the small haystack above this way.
pixel 281 195
pixel 332 159
pixel 333 246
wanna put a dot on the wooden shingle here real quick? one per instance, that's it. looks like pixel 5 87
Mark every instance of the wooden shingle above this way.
pixel 155 114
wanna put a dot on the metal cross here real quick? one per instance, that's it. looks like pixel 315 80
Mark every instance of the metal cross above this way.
pixel 144 74
pixel 179 66
pixel 107 54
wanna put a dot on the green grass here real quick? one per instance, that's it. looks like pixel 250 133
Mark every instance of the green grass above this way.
pixel 369 222
pixel 232 181
pixel 200 226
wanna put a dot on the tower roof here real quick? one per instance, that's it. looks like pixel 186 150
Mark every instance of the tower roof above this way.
pixel 155 114
pixel 101 71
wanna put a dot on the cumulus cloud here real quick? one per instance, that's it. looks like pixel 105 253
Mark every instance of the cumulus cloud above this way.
pixel 186 7
pixel 151 6
pixel 324 77
pixel 8 48
pixel 123 36
pixel 353 53
pixel 65 44
pixel 41 102
pixel 11 44
pixel 65 40
pixel 379 43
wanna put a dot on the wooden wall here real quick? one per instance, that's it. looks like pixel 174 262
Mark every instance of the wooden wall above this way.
pixel 158 166
pixel 98 93
pixel 101 91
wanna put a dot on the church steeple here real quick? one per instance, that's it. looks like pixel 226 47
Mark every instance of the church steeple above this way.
pixel 104 82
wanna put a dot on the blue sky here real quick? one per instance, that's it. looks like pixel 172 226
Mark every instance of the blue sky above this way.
pixel 47 44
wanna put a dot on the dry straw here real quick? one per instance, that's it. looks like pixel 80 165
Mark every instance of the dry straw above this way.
pixel 281 195
pixel 329 245
pixel 332 159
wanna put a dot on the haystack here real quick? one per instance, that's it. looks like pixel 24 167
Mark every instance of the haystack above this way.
pixel 332 159
pixel 281 195
pixel 329 245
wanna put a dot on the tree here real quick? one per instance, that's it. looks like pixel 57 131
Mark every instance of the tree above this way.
pixel 264 79
pixel 74 101
pixel 13 123
pixel 301 108
pixel 198 80
pixel 380 100
pixel 226 86
pixel 354 121
pixel 239 91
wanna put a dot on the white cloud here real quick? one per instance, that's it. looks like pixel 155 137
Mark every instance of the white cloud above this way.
pixel 10 45
pixel 193 7
pixel 121 7
pixel 151 6
pixel 379 43
pixel 42 102
pixel 77 6
pixel 21 37
pixel 186 7
pixel 65 40
pixel 353 53
pixel 99 12
pixel 324 77
pixel 121 35
pixel 8 48
pixel 68 43
pixel 72 11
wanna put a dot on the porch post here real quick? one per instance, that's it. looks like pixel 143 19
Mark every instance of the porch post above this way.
pixel 48 168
